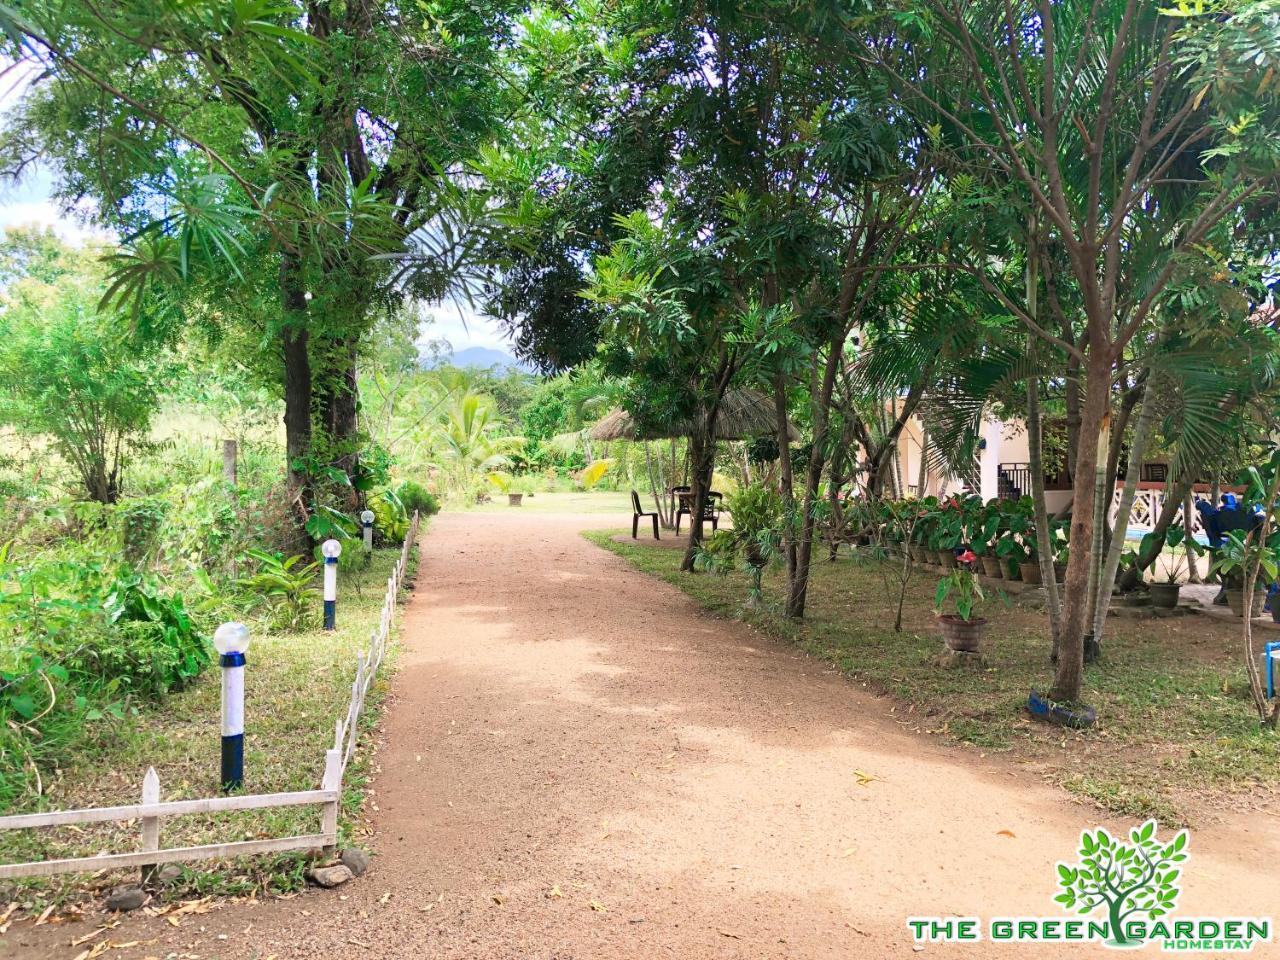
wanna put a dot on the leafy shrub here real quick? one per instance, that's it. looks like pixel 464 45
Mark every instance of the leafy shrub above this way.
pixel 140 523
pixel 415 496
pixel 82 643
pixel 162 631
pixel 282 585
pixel 390 518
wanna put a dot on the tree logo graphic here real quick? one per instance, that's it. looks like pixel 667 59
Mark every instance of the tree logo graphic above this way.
pixel 1131 881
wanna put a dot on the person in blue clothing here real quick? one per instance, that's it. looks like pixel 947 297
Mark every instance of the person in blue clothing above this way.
pixel 1219 521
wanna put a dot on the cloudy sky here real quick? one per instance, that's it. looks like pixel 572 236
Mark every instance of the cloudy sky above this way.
pixel 31 201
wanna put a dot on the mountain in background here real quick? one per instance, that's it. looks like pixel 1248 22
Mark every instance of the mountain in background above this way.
pixel 482 358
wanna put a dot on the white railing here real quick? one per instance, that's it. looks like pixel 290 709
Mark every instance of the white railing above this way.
pixel 1147 505
pixel 151 811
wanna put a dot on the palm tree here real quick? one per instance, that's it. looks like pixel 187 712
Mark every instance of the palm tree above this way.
pixel 469 438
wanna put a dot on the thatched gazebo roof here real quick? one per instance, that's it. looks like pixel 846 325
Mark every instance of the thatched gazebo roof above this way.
pixel 742 414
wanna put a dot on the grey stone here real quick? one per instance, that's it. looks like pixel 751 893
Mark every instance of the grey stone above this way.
pixel 355 860
pixel 334 876
pixel 169 873
pixel 126 898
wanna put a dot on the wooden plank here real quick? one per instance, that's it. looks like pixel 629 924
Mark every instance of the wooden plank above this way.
pixel 150 825
pixel 173 808
pixel 332 782
pixel 243 848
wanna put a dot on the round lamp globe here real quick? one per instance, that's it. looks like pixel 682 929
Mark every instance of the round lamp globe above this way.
pixel 231 638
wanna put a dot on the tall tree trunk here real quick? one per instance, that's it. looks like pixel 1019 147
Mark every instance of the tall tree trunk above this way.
pixel 296 358
pixel 702 457
pixel 1102 495
pixel 1069 674
pixel 1044 544
pixel 1137 450
pixel 786 479
pixel 798 584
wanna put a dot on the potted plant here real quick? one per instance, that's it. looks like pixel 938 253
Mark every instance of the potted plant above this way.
pixel 505 483
pixel 1017 546
pixel 1029 565
pixel 755 538
pixel 983 539
pixel 948 532
pixel 1237 553
pixel 1164 592
pixel 922 534
pixel 961 631
pixel 1059 536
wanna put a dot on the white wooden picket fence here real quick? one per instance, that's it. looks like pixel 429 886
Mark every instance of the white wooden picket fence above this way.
pixel 151 811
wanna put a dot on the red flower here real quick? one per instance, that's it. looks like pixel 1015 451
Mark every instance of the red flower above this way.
pixel 967 558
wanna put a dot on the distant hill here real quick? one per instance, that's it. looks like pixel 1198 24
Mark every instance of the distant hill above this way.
pixel 483 358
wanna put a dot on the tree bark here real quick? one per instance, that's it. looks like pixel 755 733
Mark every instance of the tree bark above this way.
pixel 786 480
pixel 1069 673
pixel 702 454
pixel 1137 451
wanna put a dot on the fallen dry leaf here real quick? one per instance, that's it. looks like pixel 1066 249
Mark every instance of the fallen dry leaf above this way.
pixel 598 907
pixel 385 898
pixel 499 899
pixel 554 893
pixel 730 934
pixel 864 778
pixel 97 950
pixel 848 852
pixel 89 936
pixel 44 917
pixel 1004 833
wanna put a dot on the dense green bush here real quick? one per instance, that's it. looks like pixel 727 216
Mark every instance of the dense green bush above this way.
pixel 415 496
pixel 82 642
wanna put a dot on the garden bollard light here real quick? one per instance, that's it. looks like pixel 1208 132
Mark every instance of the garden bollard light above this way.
pixel 366 518
pixel 231 640
pixel 332 550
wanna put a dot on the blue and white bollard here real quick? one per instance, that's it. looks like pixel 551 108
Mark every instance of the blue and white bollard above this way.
pixel 332 550
pixel 1271 660
pixel 366 520
pixel 231 640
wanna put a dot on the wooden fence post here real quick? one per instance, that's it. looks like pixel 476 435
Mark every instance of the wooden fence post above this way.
pixel 229 454
pixel 150 825
pixel 332 781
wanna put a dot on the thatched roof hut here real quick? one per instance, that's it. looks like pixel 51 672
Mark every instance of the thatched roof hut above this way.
pixel 742 414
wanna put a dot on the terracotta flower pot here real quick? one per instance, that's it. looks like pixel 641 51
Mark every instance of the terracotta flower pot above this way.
pixel 962 635
pixel 1011 571
pixel 513 499
pixel 1164 594
pixel 947 559
pixel 1030 570
pixel 1060 572
pixel 991 566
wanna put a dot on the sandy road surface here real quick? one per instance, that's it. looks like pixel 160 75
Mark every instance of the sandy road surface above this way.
pixel 579 764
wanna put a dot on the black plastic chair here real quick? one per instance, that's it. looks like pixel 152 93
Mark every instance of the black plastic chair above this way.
pixel 637 513
pixel 710 510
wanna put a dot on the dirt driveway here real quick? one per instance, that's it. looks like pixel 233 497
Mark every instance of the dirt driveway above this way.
pixel 580 764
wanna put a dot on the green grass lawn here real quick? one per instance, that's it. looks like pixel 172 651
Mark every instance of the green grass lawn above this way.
pixel 296 686
pixel 1176 735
